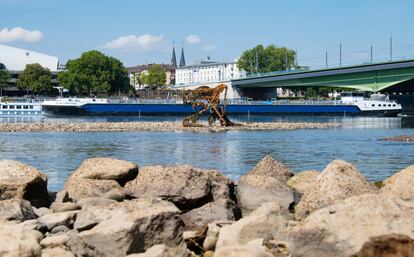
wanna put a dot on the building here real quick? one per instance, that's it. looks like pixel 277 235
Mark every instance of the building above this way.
pixel 16 59
pixel 208 72
pixel 136 71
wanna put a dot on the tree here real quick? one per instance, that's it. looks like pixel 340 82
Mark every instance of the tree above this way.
pixel 94 73
pixel 155 77
pixel 271 58
pixel 4 78
pixel 35 78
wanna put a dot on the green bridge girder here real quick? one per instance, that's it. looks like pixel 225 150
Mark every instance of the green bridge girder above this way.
pixel 371 77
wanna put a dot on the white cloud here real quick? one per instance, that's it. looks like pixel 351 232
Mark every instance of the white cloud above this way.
pixel 20 34
pixel 208 48
pixel 143 42
pixel 193 39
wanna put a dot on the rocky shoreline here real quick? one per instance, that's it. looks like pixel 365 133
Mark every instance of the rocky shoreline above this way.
pixel 154 126
pixel 110 207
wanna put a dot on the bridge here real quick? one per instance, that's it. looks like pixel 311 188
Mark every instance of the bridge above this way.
pixel 397 76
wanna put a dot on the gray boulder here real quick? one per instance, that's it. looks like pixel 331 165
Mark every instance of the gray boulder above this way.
pixel 126 227
pixel 52 220
pixel 52 241
pixel 56 252
pixel 16 209
pixel 400 184
pixel 204 195
pixel 95 201
pixel 394 245
pixel 342 228
pixel 303 181
pixel 64 207
pixel 267 182
pixel 18 241
pixel 21 181
pixel 338 181
pixel 97 176
pixel 164 251
pixel 253 248
pixel 266 222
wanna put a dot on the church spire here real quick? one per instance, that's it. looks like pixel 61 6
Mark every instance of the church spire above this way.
pixel 182 59
pixel 173 57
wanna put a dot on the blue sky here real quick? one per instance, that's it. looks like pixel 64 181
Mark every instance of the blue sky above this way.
pixel 139 32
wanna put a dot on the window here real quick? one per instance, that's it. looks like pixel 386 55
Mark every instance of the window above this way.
pixel 25 107
pixel 18 106
pixel 373 105
pixel 31 107
pixel 11 107
pixel 4 106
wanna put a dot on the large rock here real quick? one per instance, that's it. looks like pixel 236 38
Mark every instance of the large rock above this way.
pixel 393 245
pixel 96 176
pixel 127 227
pixel 164 251
pixel 303 181
pixel 271 168
pixel 49 221
pixel 18 180
pixel 400 184
pixel 267 182
pixel 205 195
pixel 220 210
pixel 266 222
pixel 342 228
pixel 16 209
pixel 338 181
pixel 56 252
pixel 251 249
pixel 18 241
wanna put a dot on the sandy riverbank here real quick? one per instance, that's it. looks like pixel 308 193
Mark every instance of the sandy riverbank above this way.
pixel 154 126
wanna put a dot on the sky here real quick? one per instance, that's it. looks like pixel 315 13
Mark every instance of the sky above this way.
pixel 141 32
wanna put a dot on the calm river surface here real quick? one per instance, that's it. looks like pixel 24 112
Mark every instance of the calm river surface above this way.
pixel 234 153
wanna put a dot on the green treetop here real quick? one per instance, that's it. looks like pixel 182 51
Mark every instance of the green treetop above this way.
pixel 35 78
pixel 94 73
pixel 155 77
pixel 271 58
pixel 4 78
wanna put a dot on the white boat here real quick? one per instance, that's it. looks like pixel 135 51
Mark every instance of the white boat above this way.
pixel 26 107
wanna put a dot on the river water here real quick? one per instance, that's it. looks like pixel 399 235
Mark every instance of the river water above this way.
pixel 58 154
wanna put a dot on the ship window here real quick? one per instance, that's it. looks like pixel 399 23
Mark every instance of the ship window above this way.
pixel 18 107
pixel 4 107
pixel 373 105
pixel 394 105
pixel 25 107
pixel 11 107
pixel 31 107
pixel 389 105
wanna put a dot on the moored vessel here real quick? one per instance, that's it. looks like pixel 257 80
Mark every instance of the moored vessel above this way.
pixel 19 107
pixel 349 104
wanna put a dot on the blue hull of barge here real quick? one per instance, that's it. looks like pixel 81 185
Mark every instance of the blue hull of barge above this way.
pixel 166 109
